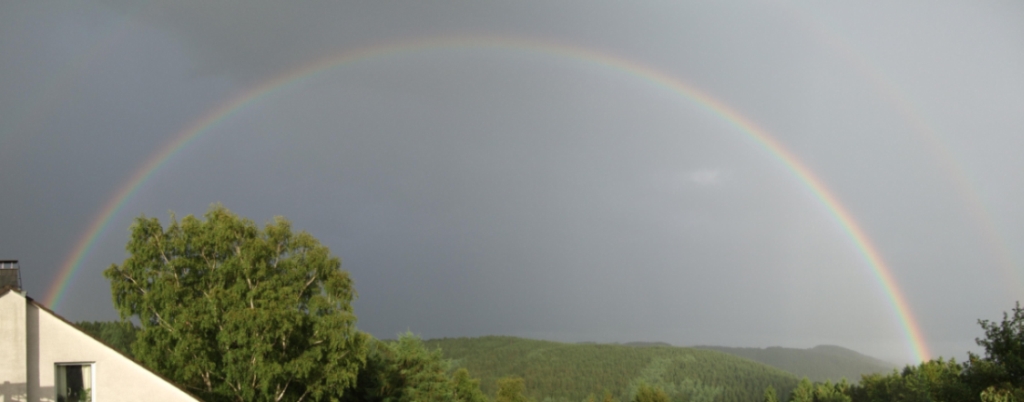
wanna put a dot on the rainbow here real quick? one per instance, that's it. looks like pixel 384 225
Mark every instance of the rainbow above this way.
pixel 699 98
pixel 928 136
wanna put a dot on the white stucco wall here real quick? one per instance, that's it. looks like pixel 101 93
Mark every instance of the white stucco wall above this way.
pixel 13 348
pixel 52 341
pixel 116 377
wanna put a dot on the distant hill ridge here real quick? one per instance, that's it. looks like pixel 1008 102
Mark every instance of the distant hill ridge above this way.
pixel 633 344
pixel 820 363
pixel 647 344
pixel 556 371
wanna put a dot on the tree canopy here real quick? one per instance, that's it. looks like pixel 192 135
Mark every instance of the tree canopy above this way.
pixel 1004 346
pixel 404 370
pixel 510 389
pixel 235 312
pixel 998 376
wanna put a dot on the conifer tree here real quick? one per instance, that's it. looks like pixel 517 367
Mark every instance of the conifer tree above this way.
pixel 510 389
pixel 804 392
pixel 406 371
pixel 769 394
pixel 466 389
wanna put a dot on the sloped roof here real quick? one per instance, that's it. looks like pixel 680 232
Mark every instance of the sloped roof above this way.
pixel 7 289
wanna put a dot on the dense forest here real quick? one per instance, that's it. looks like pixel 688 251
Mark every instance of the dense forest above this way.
pixel 820 363
pixel 552 371
pixel 570 372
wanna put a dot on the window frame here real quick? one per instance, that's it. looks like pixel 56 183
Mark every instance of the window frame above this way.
pixel 92 377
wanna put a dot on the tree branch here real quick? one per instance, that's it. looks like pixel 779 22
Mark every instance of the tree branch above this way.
pixel 281 394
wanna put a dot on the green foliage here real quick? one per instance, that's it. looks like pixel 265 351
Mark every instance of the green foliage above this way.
pixel 1004 347
pixel 570 372
pixel 996 377
pixel 510 389
pixel 646 393
pixel 607 397
pixel 689 389
pixel 465 388
pixel 235 312
pixel 413 373
pixel 406 371
pixel 983 375
pixel 117 334
pixel 829 392
pixel 769 395
pixel 1002 394
pixel 999 375
pixel 935 380
pixel 804 392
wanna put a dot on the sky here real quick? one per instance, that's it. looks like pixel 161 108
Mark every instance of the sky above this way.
pixel 572 171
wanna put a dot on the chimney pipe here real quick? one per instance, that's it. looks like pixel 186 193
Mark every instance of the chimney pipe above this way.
pixel 10 274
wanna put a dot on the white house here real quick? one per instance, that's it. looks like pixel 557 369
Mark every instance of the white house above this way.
pixel 43 357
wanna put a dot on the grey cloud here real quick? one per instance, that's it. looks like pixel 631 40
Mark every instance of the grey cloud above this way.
pixel 487 191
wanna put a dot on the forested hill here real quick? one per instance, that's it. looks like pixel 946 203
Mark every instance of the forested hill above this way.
pixel 820 363
pixel 570 372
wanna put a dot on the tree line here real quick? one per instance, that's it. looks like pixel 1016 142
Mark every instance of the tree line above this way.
pixel 557 371
pixel 997 376
pixel 235 312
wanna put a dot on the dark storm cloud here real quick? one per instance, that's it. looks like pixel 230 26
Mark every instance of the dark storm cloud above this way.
pixel 483 191
pixel 84 105
pixel 251 40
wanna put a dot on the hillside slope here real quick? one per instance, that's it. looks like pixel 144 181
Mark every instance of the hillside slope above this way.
pixel 569 372
pixel 820 363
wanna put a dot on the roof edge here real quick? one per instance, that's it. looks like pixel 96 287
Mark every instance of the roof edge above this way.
pixel 75 327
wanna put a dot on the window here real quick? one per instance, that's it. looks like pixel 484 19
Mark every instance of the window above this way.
pixel 74 382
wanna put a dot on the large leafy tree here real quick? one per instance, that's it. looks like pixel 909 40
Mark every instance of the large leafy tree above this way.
pixel 235 312
pixel 1000 373
pixel 404 370
pixel 1004 345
